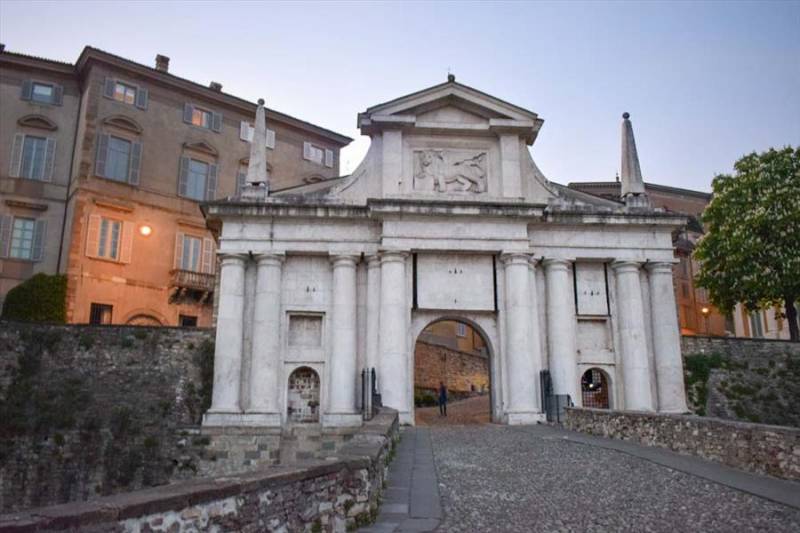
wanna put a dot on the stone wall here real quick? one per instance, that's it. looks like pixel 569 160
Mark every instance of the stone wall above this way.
pixel 758 448
pixel 336 495
pixel 754 380
pixel 461 371
pixel 88 411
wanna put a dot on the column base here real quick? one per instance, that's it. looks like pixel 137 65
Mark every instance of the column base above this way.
pixel 342 420
pixel 214 419
pixel 526 418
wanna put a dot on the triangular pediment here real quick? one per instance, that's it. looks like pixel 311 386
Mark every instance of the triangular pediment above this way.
pixel 201 146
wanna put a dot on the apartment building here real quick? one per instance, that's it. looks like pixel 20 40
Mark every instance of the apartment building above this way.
pixel 103 166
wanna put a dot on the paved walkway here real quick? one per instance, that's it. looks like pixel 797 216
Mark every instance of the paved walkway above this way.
pixel 539 478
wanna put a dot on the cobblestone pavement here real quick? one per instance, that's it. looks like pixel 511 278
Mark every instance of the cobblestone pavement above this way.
pixel 501 478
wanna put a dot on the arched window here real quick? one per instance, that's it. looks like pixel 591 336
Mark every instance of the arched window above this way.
pixel 303 400
pixel 595 389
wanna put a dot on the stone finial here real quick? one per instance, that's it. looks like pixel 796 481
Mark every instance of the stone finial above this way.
pixel 631 174
pixel 257 166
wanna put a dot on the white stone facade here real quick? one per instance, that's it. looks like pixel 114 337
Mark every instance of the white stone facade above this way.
pixel 447 217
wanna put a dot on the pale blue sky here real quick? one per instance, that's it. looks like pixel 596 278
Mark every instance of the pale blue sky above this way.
pixel 704 82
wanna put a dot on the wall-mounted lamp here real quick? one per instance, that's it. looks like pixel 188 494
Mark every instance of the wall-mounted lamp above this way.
pixel 145 230
pixel 705 310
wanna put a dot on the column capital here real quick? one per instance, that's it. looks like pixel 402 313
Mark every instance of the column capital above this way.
pixel 556 263
pixel 659 267
pixel 270 258
pixel 341 260
pixel 625 265
pixel 392 256
pixel 373 260
pixel 515 258
pixel 232 259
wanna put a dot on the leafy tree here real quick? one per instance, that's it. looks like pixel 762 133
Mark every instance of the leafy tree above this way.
pixel 751 251
pixel 41 298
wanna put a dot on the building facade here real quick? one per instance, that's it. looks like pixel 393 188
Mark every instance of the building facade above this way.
pixel 447 218
pixel 104 164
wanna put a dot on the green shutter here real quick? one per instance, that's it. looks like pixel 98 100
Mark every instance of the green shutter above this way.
pixel 16 155
pixel 5 234
pixel 135 163
pixel 141 98
pixel 39 238
pixel 211 184
pixel 102 154
pixel 27 90
pixel 183 176
pixel 49 159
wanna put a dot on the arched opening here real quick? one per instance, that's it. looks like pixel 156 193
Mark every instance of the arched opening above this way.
pixel 143 320
pixel 302 403
pixel 595 389
pixel 453 353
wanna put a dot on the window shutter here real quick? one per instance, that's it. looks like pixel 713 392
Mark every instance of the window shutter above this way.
pixel 241 177
pixel 216 122
pixel 49 159
pixel 5 234
pixel 271 139
pixel 306 150
pixel 188 109
pixel 93 235
pixel 27 90
pixel 183 176
pixel 135 163
pixel 142 96
pixel 208 256
pixel 211 184
pixel 126 251
pixel 244 131
pixel 16 155
pixel 108 88
pixel 329 158
pixel 102 154
pixel 39 236
pixel 58 94
pixel 179 250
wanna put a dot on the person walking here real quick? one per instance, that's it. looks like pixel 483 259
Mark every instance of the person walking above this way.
pixel 442 399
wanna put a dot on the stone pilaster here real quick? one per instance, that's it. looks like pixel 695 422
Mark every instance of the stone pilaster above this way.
pixel 393 334
pixel 265 362
pixel 633 343
pixel 520 364
pixel 342 409
pixel 561 329
pixel 225 402
pixel 666 339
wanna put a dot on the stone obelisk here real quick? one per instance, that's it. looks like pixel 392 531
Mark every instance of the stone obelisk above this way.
pixel 256 182
pixel 633 193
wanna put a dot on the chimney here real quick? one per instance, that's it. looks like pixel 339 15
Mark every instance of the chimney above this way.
pixel 215 86
pixel 162 63
pixel 2 48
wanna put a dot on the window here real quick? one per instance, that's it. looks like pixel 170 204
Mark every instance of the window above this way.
pixel 315 154
pixel 190 259
pixel 756 326
pixel 100 314
pixel 22 238
pixel 108 246
pixel 201 117
pixel 196 179
pixel 124 93
pixel 461 329
pixel 187 321
pixel 119 158
pixel 246 132
pixel 42 93
pixel 33 157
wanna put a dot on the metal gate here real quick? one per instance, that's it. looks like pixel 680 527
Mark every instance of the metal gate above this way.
pixel 553 404
pixel 370 399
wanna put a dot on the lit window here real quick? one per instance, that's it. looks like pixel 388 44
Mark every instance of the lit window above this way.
pixel 124 93
pixel 190 260
pixel 119 158
pixel 196 180
pixel 108 246
pixel 43 93
pixel 22 238
pixel 33 151
pixel 201 117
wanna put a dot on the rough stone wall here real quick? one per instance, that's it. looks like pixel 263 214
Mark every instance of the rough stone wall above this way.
pixel 752 380
pixel 333 496
pixel 758 448
pixel 459 370
pixel 87 411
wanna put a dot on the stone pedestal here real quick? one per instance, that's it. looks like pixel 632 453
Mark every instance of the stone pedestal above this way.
pixel 666 340
pixel 561 326
pixel 265 362
pixel 393 343
pixel 632 339
pixel 225 401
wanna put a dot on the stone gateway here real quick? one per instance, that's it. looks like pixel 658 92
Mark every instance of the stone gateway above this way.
pixel 447 217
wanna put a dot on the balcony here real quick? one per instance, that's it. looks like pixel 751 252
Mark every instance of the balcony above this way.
pixel 192 286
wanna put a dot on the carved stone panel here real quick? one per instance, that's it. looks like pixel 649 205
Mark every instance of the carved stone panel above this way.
pixel 450 171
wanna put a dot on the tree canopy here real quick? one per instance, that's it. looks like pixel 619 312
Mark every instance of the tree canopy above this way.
pixel 751 250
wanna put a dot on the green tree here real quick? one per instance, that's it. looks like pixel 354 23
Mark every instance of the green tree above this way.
pixel 751 250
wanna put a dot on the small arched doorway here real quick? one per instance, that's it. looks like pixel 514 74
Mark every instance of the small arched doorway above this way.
pixel 302 403
pixel 454 353
pixel 595 389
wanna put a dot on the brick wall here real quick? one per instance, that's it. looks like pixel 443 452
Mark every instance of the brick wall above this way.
pixel 458 370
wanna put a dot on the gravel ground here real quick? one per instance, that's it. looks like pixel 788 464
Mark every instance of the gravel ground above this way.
pixel 475 410
pixel 501 478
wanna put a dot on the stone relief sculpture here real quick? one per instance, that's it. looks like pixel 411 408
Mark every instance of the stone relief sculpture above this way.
pixel 442 171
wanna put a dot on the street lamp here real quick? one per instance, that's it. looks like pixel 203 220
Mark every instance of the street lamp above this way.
pixel 145 230
pixel 705 310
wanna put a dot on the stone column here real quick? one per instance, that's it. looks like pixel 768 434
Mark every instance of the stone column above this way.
pixel 561 328
pixel 265 362
pixel 373 309
pixel 393 334
pixel 518 349
pixel 633 344
pixel 342 409
pixel 225 404
pixel 666 339
pixel 535 334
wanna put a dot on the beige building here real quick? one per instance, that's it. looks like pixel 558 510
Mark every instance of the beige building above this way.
pixel 103 165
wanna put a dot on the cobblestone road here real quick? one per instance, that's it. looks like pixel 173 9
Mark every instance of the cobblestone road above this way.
pixel 500 478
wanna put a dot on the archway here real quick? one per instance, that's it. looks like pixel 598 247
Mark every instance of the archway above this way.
pixel 143 319
pixel 302 403
pixel 595 389
pixel 455 353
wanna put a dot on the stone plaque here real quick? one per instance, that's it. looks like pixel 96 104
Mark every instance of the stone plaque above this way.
pixel 590 287
pixel 450 171
pixel 305 330
pixel 455 281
